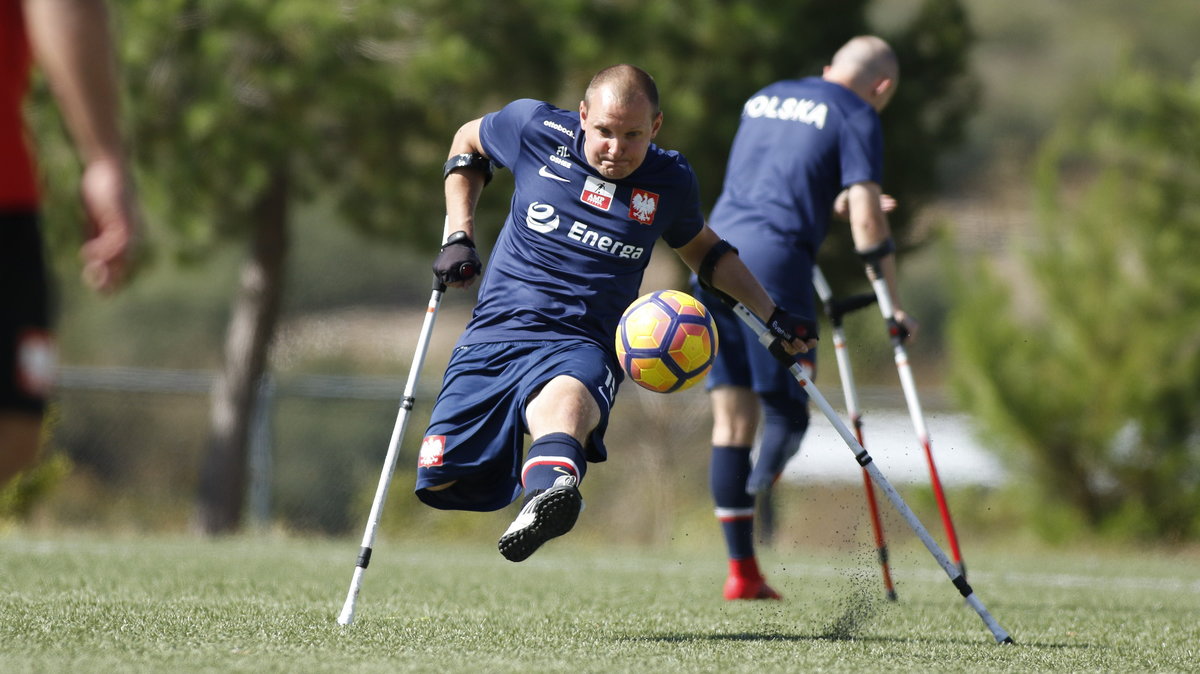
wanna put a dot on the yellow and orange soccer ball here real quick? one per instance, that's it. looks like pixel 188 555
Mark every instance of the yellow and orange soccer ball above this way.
pixel 666 341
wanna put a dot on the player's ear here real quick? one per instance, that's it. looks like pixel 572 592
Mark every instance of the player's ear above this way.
pixel 582 111
pixel 883 90
pixel 656 125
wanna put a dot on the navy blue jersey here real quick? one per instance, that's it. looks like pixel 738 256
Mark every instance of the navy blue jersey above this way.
pixel 571 254
pixel 800 142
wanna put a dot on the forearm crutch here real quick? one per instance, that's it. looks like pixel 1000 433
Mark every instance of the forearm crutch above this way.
pixel 389 463
pixel 836 309
pixel 860 454
pixel 898 334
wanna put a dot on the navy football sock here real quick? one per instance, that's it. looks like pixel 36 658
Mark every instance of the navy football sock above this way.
pixel 735 508
pixel 550 457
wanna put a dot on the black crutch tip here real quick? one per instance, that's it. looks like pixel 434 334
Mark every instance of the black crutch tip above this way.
pixel 891 596
pixel 1009 641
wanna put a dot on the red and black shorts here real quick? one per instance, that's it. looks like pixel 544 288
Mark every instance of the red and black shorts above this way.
pixel 27 354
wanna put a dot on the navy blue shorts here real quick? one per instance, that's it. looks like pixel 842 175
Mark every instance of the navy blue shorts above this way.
pixel 27 362
pixel 477 429
pixel 742 361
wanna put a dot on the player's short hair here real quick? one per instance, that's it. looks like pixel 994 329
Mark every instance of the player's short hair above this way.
pixel 627 83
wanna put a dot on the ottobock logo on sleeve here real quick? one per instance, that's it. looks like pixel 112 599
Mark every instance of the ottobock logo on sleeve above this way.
pixel 597 193
pixel 642 206
pixel 432 449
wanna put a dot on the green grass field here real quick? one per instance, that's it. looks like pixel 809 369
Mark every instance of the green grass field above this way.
pixel 85 603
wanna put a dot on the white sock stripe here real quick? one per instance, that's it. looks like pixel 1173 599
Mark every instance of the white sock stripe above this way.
pixel 733 513
pixel 550 460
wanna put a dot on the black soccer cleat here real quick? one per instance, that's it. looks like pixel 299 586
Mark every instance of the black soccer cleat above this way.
pixel 546 515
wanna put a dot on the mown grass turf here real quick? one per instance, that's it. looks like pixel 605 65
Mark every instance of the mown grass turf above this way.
pixel 88 604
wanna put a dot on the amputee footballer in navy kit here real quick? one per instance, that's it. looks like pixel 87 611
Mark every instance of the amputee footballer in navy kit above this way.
pixel 806 149
pixel 593 193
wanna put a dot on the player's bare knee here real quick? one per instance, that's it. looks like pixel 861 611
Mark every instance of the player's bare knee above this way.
pixel 735 416
pixel 564 405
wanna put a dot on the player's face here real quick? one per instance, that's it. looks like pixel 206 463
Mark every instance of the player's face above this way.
pixel 616 136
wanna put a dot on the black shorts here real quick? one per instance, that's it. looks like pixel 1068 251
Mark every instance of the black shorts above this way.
pixel 27 356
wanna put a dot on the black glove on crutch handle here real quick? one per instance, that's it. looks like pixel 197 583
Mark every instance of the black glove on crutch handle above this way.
pixel 786 326
pixel 457 261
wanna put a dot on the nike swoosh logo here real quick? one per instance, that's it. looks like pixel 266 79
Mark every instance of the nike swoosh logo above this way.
pixel 546 173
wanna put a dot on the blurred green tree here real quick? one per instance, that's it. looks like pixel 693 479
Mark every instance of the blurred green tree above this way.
pixel 244 113
pixel 1084 363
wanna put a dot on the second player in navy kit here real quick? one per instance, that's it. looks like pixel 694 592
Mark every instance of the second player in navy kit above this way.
pixel 806 149
pixel 592 196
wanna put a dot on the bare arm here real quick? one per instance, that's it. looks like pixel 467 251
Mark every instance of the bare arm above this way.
pixel 464 187
pixel 73 46
pixel 869 228
pixel 732 277
pixel 841 204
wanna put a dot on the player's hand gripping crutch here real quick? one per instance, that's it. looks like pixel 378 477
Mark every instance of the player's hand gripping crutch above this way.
pixel 898 334
pixel 836 309
pixel 868 464
pixel 466 269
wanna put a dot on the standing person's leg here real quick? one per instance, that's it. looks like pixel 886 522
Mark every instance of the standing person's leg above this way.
pixel 785 421
pixel 20 434
pixel 736 410
pixel 27 355
pixel 735 419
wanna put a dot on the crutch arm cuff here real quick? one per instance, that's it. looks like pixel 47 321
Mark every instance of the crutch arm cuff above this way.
pixel 875 253
pixel 469 160
pixel 709 263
